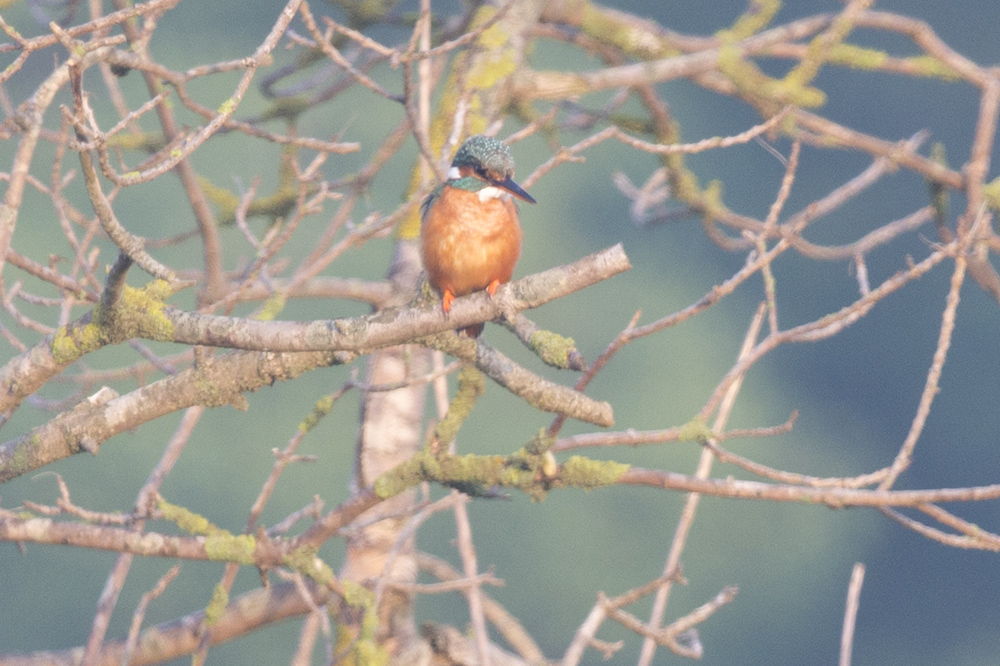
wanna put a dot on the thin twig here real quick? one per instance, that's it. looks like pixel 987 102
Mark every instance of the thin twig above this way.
pixel 691 502
pixel 851 613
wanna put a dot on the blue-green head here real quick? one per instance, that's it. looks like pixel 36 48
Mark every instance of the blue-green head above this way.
pixel 483 163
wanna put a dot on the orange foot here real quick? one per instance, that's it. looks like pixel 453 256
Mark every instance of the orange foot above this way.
pixel 446 300
pixel 492 287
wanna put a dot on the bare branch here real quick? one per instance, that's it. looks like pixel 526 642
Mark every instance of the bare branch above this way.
pixel 851 613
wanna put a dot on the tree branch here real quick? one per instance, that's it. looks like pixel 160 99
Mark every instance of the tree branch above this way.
pixel 26 373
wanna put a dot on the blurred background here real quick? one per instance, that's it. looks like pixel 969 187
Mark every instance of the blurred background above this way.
pixel 922 603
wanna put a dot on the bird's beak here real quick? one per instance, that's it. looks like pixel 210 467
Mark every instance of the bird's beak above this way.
pixel 509 185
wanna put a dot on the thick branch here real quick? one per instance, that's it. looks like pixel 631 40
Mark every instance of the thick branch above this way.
pixel 395 326
pixel 26 373
pixel 214 382
pixel 537 391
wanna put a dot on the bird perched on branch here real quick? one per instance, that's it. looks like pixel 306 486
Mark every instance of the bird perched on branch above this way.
pixel 470 237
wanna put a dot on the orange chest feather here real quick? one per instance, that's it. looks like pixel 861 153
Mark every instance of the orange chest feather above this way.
pixel 466 243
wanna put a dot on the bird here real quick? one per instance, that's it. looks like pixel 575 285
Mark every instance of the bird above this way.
pixel 470 233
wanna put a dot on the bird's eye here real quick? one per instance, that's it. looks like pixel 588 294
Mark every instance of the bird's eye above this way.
pixel 481 172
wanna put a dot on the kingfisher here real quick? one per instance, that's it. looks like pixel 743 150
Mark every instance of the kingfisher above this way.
pixel 470 236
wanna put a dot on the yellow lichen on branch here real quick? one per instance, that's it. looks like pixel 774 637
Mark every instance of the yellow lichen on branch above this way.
pixel 531 473
pixel 220 545
pixel 586 473
pixel 471 385
pixel 137 314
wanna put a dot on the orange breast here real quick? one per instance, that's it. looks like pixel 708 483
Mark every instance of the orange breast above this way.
pixel 466 243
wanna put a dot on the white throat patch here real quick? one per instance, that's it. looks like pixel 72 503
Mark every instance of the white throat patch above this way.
pixel 485 194
pixel 491 192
